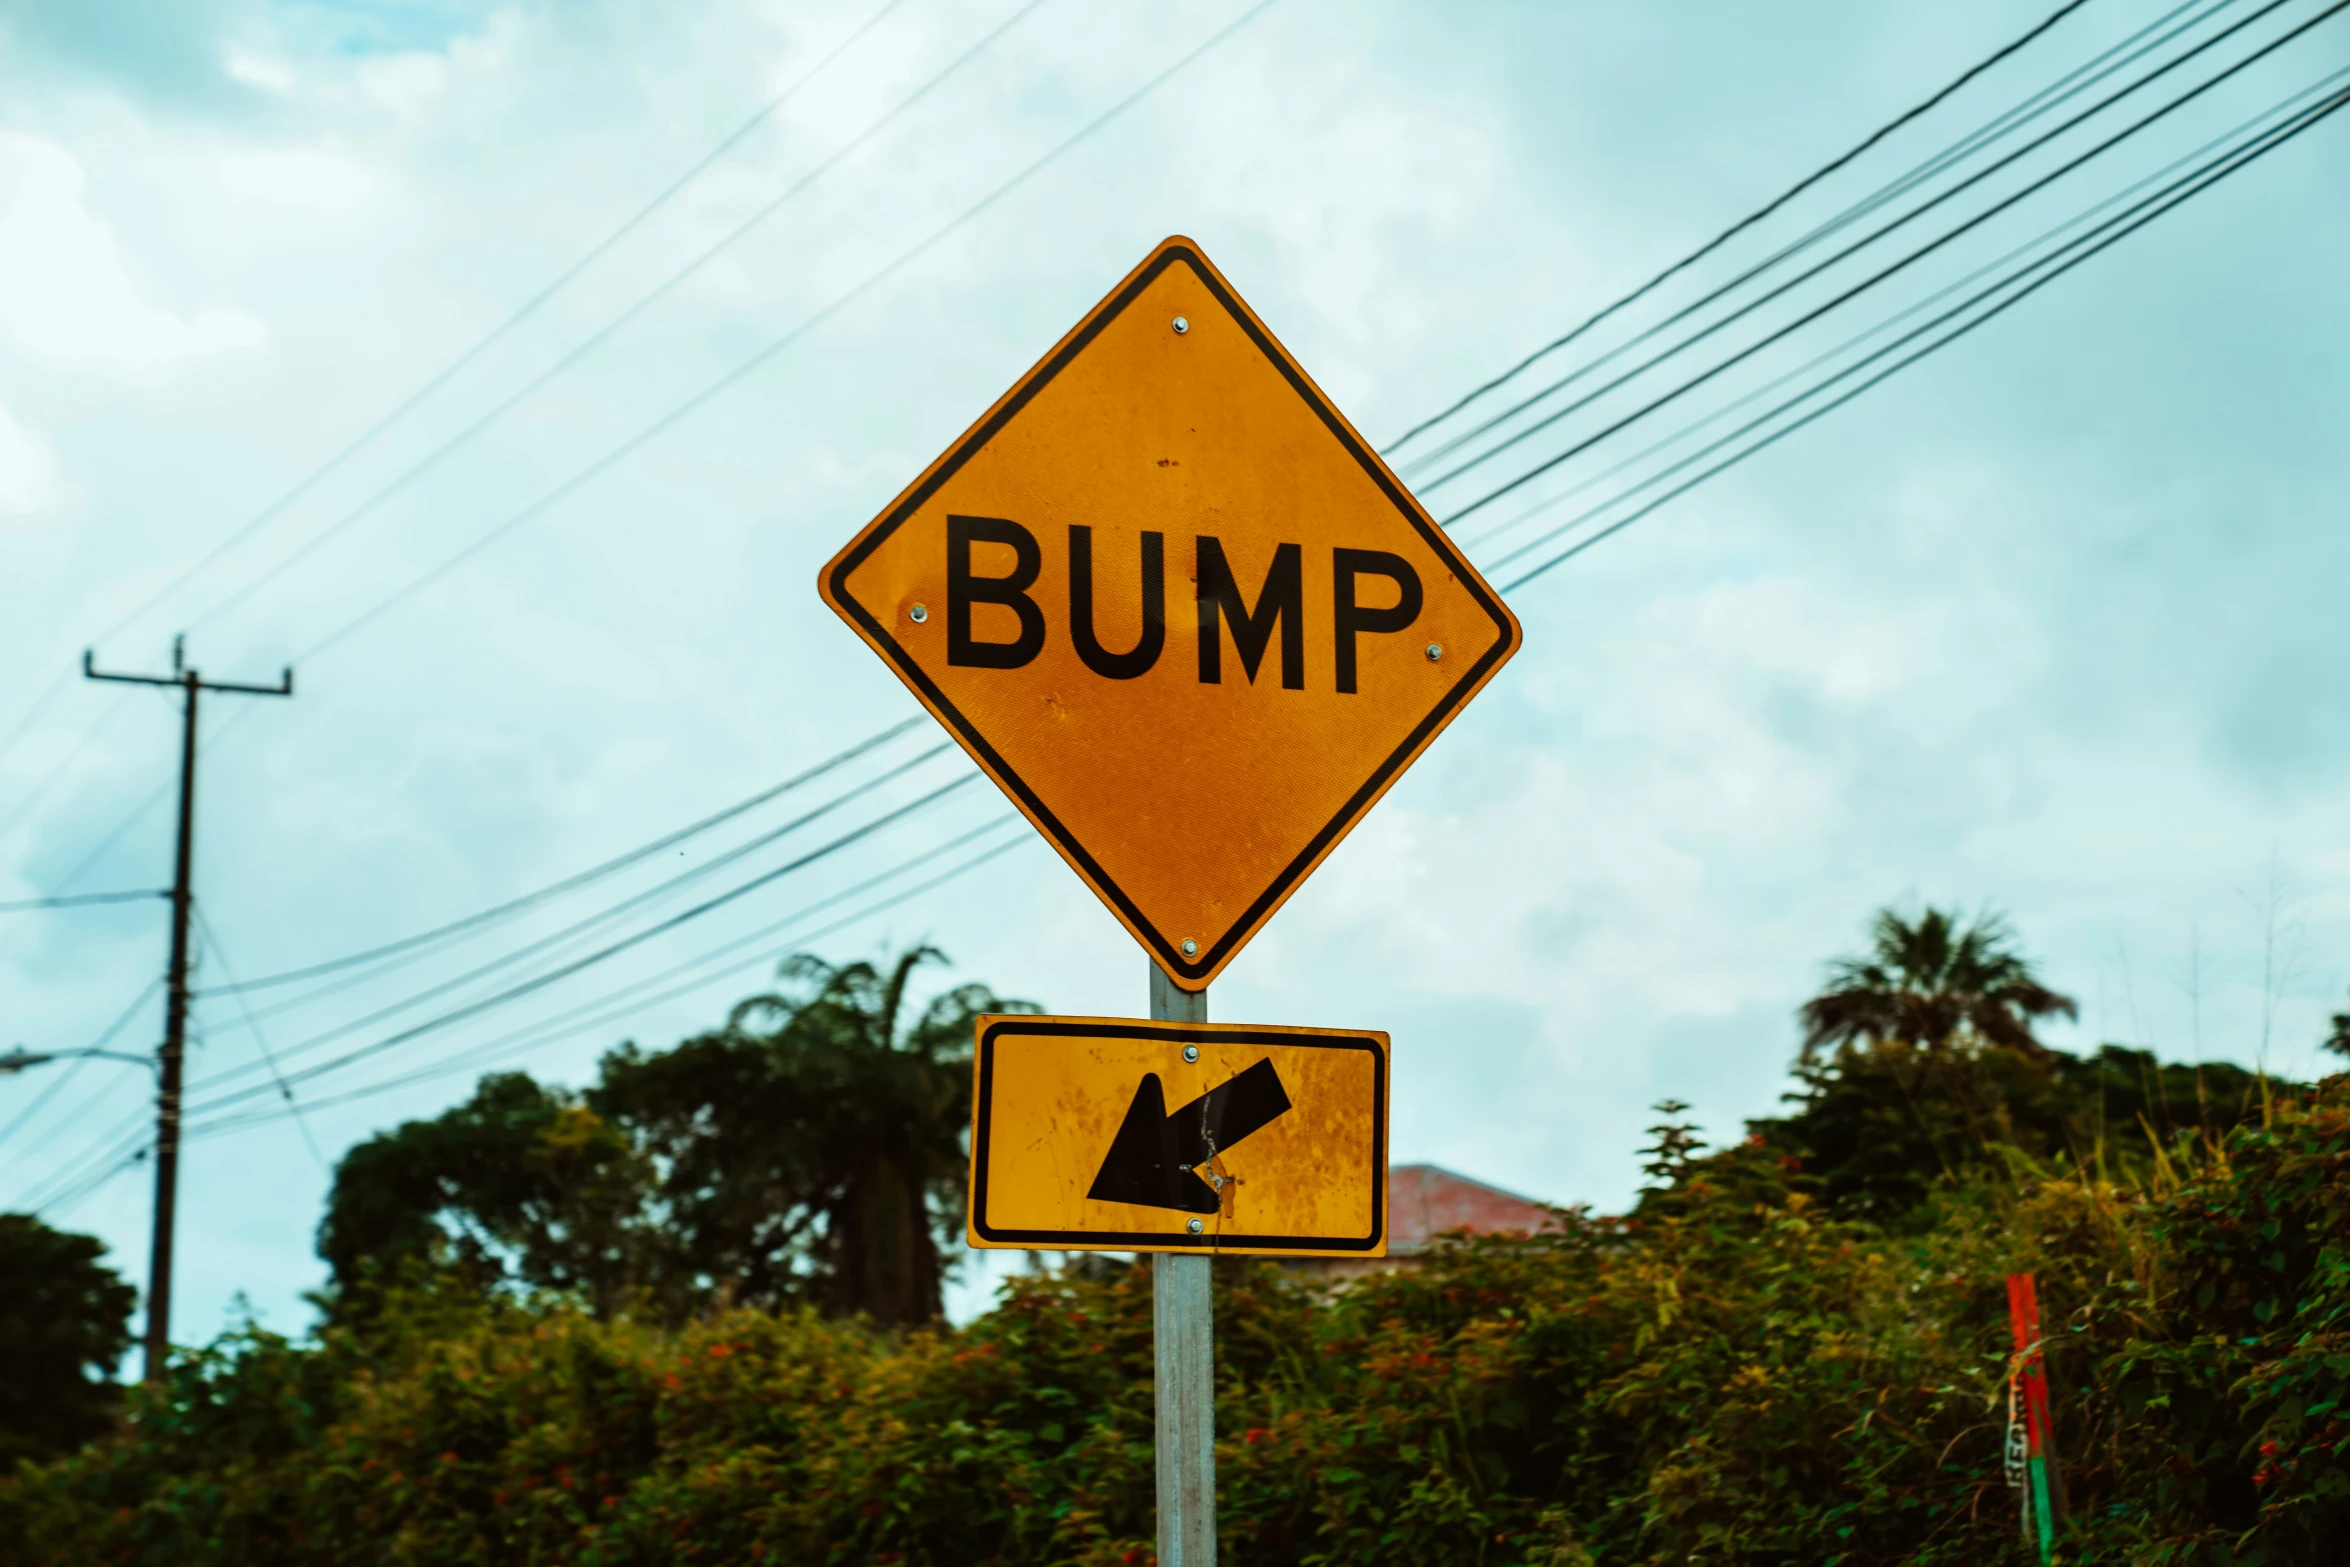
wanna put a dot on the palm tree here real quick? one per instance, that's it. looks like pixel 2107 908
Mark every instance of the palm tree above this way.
pixel 814 1145
pixel 1923 984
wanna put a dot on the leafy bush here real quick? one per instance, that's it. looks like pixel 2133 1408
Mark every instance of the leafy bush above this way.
pixel 1737 1373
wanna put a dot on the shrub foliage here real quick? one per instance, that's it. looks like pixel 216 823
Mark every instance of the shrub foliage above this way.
pixel 1743 1371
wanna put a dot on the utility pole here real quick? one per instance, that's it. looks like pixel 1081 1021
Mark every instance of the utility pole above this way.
pixel 175 1013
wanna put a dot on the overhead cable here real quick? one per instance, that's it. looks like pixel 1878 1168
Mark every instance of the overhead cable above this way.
pixel 539 982
pixel 599 918
pixel 1476 541
pixel 629 1000
pixel 676 415
pixel 573 883
pixel 610 328
pixel 2268 143
pixel 81 1059
pixel 261 1041
pixel 449 371
pixel 75 900
pixel 496 334
pixel 1883 273
pixel 1742 225
pixel 2047 99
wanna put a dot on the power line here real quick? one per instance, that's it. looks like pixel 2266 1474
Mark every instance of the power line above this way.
pixel 71 1196
pixel 539 982
pixel 690 405
pixel 35 1199
pixel 2242 158
pixel 818 769
pixel 1741 226
pixel 1763 391
pixel 161 792
pixel 601 917
pixel 2063 90
pixel 447 373
pixel 64 764
pixel 126 1152
pixel 483 344
pixel 1856 289
pixel 573 883
pixel 1759 393
pixel 48 1134
pixel 57 1083
pixel 1859 245
pixel 545 1030
pixel 76 900
pixel 253 1027
pixel 610 328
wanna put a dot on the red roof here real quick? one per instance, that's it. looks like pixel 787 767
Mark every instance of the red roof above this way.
pixel 1424 1202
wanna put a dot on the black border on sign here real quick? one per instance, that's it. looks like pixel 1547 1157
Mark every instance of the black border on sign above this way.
pixel 1162 948
pixel 982 1118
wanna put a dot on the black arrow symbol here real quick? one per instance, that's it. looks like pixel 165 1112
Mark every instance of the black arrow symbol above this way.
pixel 1155 1157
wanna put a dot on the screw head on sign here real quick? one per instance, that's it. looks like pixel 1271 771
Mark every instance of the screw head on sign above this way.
pixel 918 614
pixel 1194 1226
pixel 1435 649
pixel 1182 325
pixel 1190 948
pixel 1191 1052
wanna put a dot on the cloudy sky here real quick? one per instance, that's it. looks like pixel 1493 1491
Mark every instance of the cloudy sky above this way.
pixel 2051 622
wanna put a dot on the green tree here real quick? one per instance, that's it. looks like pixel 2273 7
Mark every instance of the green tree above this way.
pixel 814 1147
pixel 521 1184
pixel 64 1323
pixel 1926 983
pixel 810 1150
pixel 2339 1040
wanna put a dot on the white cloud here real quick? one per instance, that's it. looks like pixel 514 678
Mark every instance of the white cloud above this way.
pixel 64 292
pixel 28 472
pixel 271 76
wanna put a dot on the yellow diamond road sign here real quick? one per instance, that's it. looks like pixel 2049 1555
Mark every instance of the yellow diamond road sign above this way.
pixel 1110 1134
pixel 1177 608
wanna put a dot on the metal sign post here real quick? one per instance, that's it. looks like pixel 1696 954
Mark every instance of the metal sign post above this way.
pixel 1183 1353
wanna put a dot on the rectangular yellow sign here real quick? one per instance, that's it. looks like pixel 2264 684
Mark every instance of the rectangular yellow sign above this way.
pixel 1109 1134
